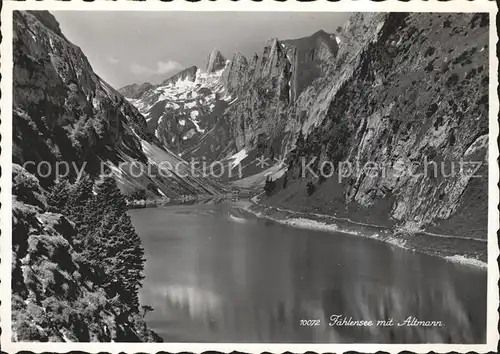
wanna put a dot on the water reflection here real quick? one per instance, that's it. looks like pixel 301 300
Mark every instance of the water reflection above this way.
pixel 211 278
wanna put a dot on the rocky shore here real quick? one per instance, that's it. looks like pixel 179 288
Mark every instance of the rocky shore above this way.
pixel 458 249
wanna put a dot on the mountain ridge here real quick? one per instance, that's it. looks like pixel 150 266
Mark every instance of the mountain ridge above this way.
pixel 238 74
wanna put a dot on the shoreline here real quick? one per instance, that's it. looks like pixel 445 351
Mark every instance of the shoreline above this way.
pixel 459 250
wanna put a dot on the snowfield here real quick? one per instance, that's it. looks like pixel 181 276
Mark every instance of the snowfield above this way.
pixel 188 98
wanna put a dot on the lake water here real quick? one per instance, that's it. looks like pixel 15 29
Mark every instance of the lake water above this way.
pixel 215 273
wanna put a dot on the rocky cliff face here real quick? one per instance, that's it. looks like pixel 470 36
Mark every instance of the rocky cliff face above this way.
pixel 63 111
pixel 215 61
pixel 410 88
pixel 235 74
pixel 391 89
pixel 263 98
pixel 265 88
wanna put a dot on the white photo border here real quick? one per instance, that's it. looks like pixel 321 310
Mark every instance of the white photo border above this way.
pixel 243 5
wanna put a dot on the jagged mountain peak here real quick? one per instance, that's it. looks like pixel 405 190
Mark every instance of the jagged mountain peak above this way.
pixel 180 112
pixel 216 61
pixel 180 109
pixel 238 61
pixel 238 56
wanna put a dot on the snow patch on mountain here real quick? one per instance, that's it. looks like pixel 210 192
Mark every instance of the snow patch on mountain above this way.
pixel 189 134
pixel 194 115
pixel 238 157
pixel 183 99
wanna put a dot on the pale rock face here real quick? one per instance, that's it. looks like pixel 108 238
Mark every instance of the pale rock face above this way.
pixel 264 95
pixel 397 120
pixel 252 65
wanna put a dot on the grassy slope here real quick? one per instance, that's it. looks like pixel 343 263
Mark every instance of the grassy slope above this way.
pixel 328 199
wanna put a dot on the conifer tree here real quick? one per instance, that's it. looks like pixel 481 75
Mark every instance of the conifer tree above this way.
pixel 121 251
pixel 110 247
pixel 81 193
pixel 300 143
pixel 58 195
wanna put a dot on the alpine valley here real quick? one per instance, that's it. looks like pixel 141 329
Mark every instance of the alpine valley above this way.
pixel 395 89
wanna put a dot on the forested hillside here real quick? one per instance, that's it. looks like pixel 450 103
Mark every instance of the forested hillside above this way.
pixel 77 263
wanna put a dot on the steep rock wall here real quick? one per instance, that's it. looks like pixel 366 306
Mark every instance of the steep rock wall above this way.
pixel 413 88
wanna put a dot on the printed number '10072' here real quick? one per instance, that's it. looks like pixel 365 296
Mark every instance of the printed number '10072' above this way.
pixel 310 322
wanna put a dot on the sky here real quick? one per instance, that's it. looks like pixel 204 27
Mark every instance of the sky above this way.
pixel 125 47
